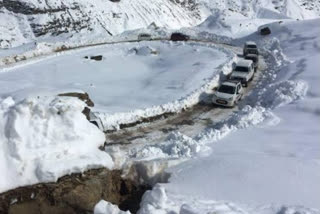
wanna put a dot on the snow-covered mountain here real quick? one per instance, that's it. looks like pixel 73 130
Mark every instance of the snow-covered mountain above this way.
pixel 23 21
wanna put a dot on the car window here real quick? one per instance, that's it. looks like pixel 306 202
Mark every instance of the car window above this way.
pixel 241 69
pixel 252 46
pixel 227 89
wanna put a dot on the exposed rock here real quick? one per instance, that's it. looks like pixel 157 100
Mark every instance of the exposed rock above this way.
pixel 97 58
pixel 76 193
pixel 82 96
pixel 85 98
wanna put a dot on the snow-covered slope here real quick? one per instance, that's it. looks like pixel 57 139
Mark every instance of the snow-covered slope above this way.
pixel 23 21
pixel 265 9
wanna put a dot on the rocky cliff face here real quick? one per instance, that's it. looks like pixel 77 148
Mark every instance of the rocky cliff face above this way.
pixel 75 194
pixel 25 20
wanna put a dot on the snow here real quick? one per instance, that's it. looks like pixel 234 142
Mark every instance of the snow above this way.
pixel 261 158
pixel 176 145
pixel 267 156
pixel 44 138
pixel 86 18
pixel 160 201
pixel 104 207
pixel 132 80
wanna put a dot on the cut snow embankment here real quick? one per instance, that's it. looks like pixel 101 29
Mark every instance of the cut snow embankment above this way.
pixel 44 138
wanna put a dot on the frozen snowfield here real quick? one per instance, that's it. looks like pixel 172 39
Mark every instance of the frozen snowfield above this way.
pixel 129 77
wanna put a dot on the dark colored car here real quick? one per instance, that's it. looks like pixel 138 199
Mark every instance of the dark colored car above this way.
pixel 254 58
pixel 179 37
pixel 250 48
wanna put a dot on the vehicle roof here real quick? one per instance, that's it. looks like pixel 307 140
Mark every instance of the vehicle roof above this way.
pixel 244 63
pixel 250 43
pixel 233 83
pixel 251 55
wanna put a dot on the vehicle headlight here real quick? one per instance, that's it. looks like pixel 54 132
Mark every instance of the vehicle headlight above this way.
pixel 231 98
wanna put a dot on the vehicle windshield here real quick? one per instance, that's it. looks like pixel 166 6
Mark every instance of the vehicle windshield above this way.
pixel 241 69
pixel 226 89
pixel 252 46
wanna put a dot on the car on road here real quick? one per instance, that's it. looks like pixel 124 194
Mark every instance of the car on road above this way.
pixel 228 94
pixel 179 37
pixel 255 59
pixel 244 72
pixel 250 48
pixel 144 36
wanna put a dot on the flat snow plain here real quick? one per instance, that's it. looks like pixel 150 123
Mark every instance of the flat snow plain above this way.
pixel 129 77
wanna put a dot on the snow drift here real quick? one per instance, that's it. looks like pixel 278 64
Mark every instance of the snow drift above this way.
pixel 44 138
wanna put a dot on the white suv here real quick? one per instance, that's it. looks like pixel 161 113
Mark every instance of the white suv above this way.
pixel 244 72
pixel 228 93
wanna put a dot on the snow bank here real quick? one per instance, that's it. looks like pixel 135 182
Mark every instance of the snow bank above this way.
pixel 176 145
pixel 44 138
pixel 282 93
pixel 159 200
pixel 105 207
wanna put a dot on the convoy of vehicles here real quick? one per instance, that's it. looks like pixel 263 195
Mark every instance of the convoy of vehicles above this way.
pixel 231 91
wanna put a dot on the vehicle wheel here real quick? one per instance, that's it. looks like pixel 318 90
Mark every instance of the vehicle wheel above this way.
pixel 251 78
